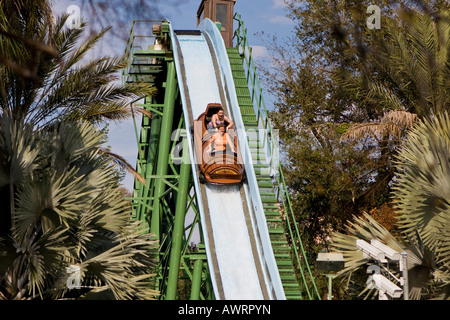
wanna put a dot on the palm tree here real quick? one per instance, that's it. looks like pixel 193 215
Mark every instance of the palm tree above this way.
pixel 45 80
pixel 421 198
pixel 66 209
pixel 406 75
pixel 420 258
pixel 54 83
pixel 422 191
pixel 60 199
pixel 412 79
pixel 407 66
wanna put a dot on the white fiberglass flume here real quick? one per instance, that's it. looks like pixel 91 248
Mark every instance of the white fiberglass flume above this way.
pixel 240 255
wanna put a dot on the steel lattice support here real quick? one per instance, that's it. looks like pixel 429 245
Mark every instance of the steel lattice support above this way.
pixel 167 201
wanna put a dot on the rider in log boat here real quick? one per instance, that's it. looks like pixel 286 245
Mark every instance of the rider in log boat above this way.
pixel 218 153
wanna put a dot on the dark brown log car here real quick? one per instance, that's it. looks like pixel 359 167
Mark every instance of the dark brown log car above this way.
pixel 221 168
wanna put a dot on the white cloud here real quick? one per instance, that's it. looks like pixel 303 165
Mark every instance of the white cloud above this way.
pixel 259 52
pixel 282 20
pixel 278 4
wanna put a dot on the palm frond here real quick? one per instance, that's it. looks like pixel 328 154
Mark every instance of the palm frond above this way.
pixel 18 153
pixel 144 111
pixel 366 228
pixel 87 93
pixel 408 66
pixel 123 163
pixel 422 190
pixel 394 124
pixel 111 268
pixel 50 202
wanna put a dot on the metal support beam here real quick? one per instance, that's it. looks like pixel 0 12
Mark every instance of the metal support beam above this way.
pixel 165 199
pixel 164 146
pixel 146 190
pixel 178 228
pixel 196 280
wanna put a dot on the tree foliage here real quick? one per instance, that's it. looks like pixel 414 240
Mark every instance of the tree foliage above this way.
pixel 326 179
pixel 366 87
pixel 61 204
pixel 422 192
pixel 45 75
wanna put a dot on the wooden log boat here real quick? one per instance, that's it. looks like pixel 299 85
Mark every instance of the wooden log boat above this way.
pixel 223 167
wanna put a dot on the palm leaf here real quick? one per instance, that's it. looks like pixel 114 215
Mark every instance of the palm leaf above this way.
pixel 366 228
pixel 422 191
pixel 119 160
pixel 114 270
pixel 18 153
pixel 52 202
pixel 394 124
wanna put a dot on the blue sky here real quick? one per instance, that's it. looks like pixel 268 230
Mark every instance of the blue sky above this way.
pixel 267 16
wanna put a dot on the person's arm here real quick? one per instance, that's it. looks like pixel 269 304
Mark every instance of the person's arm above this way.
pixel 230 123
pixel 231 143
pixel 209 146
pixel 213 121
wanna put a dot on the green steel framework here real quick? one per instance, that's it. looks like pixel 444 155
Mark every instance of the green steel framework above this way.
pixel 168 196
